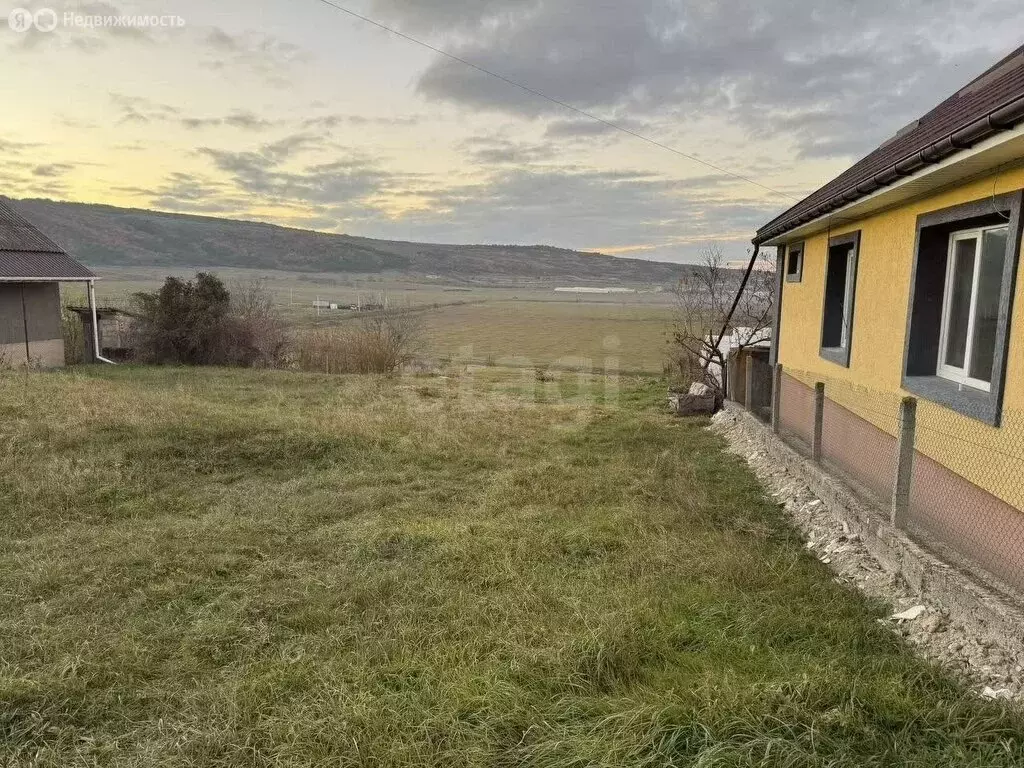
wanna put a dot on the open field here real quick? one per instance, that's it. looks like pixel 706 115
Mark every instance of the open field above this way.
pixel 524 325
pixel 599 335
pixel 234 568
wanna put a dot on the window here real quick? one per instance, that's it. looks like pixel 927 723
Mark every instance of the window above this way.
pixel 795 263
pixel 960 305
pixel 840 284
pixel 970 306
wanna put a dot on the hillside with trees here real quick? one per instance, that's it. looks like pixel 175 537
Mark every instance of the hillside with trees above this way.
pixel 103 235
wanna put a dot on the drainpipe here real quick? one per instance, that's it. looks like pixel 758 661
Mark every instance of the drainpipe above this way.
pixel 96 351
pixel 736 301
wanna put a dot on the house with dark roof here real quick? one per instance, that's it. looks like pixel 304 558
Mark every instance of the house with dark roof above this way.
pixel 32 267
pixel 899 279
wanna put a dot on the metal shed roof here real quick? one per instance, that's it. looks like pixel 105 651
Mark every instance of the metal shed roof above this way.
pixel 27 255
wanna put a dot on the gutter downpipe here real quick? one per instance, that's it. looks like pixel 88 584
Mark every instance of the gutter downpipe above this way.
pixel 735 303
pixel 96 352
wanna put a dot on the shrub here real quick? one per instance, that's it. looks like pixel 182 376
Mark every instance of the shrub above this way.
pixel 201 323
pixel 383 343
pixel 255 334
pixel 74 337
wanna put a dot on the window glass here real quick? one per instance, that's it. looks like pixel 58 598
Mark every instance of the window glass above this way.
pixel 837 297
pixel 986 311
pixel 961 284
pixel 793 267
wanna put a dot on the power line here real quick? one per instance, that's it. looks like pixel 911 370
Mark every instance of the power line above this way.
pixel 563 104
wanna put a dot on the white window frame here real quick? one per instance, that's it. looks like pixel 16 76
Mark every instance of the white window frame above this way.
pixel 951 372
pixel 848 299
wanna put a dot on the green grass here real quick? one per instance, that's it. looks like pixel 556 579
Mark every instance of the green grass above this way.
pixel 216 568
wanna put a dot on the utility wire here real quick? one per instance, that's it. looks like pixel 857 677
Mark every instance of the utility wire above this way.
pixel 563 104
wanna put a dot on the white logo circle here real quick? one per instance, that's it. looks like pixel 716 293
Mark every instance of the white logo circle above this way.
pixel 20 20
pixel 46 20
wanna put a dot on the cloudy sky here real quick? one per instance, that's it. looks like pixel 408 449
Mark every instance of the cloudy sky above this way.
pixel 299 114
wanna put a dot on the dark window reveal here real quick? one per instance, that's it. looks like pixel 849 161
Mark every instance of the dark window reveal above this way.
pixel 795 263
pixel 840 285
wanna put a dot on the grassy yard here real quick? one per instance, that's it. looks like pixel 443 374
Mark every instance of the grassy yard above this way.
pixel 215 568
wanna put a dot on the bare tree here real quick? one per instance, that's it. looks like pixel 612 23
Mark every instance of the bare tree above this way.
pixel 256 333
pixel 704 296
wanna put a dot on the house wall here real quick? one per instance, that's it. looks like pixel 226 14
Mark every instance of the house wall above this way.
pixel 42 311
pixel 871 386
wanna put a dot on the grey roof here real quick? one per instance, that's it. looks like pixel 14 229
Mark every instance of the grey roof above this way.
pixel 28 254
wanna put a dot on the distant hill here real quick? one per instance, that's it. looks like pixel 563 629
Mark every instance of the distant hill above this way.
pixel 102 235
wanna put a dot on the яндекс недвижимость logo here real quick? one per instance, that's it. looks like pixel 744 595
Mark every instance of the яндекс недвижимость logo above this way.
pixel 23 20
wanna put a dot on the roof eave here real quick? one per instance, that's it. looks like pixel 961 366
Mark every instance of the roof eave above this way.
pixel 954 146
pixel 77 279
pixel 999 149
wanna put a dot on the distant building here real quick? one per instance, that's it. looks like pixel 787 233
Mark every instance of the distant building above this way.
pixel 116 333
pixel 605 291
pixel 761 265
pixel 31 269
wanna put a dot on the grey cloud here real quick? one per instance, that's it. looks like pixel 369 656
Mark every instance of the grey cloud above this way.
pixel 449 14
pixel 10 148
pixel 329 122
pixel 189 193
pixel 773 67
pixel 139 109
pixel 52 170
pixel 583 208
pixel 499 151
pixel 242 119
pixel 586 128
pixel 264 55
pixel 261 173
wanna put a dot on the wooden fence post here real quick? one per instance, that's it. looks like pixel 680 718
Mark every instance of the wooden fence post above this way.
pixel 904 462
pixel 777 398
pixel 819 417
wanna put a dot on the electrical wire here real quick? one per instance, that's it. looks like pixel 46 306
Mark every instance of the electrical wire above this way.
pixel 558 102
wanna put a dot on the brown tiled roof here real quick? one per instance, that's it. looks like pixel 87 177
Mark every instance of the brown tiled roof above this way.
pixel 992 102
pixel 26 253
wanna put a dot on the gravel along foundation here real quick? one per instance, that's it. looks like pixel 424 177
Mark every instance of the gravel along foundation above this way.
pixel 995 669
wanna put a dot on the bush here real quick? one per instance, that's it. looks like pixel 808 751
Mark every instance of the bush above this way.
pixel 74 337
pixel 255 334
pixel 200 323
pixel 383 343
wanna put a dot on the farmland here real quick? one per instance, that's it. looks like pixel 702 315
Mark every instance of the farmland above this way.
pixel 588 335
pixel 518 325
pixel 235 568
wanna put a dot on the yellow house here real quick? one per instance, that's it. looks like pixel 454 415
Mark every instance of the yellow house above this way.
pixel 900 278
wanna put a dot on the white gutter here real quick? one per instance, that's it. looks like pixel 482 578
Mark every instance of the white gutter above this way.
pixel 47 279
pixel 96 351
